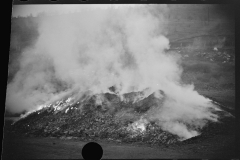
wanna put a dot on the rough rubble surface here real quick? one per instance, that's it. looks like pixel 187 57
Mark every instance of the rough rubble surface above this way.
pixel 103 116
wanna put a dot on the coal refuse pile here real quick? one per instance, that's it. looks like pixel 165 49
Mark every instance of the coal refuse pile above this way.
pixel 103 116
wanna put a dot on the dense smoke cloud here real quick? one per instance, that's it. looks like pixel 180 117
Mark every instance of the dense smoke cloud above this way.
pixel 97 48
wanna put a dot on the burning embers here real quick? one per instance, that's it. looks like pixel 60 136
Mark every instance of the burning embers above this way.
pixel 138 126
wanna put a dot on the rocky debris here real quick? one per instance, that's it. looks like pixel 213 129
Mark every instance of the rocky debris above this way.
pixel 223 57
pixel 219 55
pixel 89 120
pixel 96 120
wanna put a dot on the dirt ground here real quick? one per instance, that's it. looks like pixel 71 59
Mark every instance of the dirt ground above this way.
pixel 224 97
pixel 53 148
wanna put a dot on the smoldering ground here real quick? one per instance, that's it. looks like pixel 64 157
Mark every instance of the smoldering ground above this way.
pixel 97 48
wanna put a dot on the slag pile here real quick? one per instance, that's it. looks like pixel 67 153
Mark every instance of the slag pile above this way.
pixel 104 116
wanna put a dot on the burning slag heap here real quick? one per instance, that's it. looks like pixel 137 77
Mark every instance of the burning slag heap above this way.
pixel 105 116
pixel 125 118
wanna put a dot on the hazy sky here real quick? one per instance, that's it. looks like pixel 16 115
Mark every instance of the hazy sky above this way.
pixel 26 10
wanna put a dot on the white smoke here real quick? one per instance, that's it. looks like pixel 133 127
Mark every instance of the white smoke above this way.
pixel 96 48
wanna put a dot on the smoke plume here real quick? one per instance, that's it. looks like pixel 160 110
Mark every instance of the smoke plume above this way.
pixel 97 48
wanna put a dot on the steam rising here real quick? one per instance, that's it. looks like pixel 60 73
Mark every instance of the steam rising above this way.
pixel 97 48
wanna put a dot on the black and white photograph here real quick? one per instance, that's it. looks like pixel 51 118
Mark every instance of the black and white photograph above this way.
pixel 144 81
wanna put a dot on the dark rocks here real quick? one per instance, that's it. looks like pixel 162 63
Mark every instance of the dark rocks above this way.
pixel 90 122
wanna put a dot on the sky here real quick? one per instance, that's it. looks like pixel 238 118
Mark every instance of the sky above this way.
pixel 34 10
